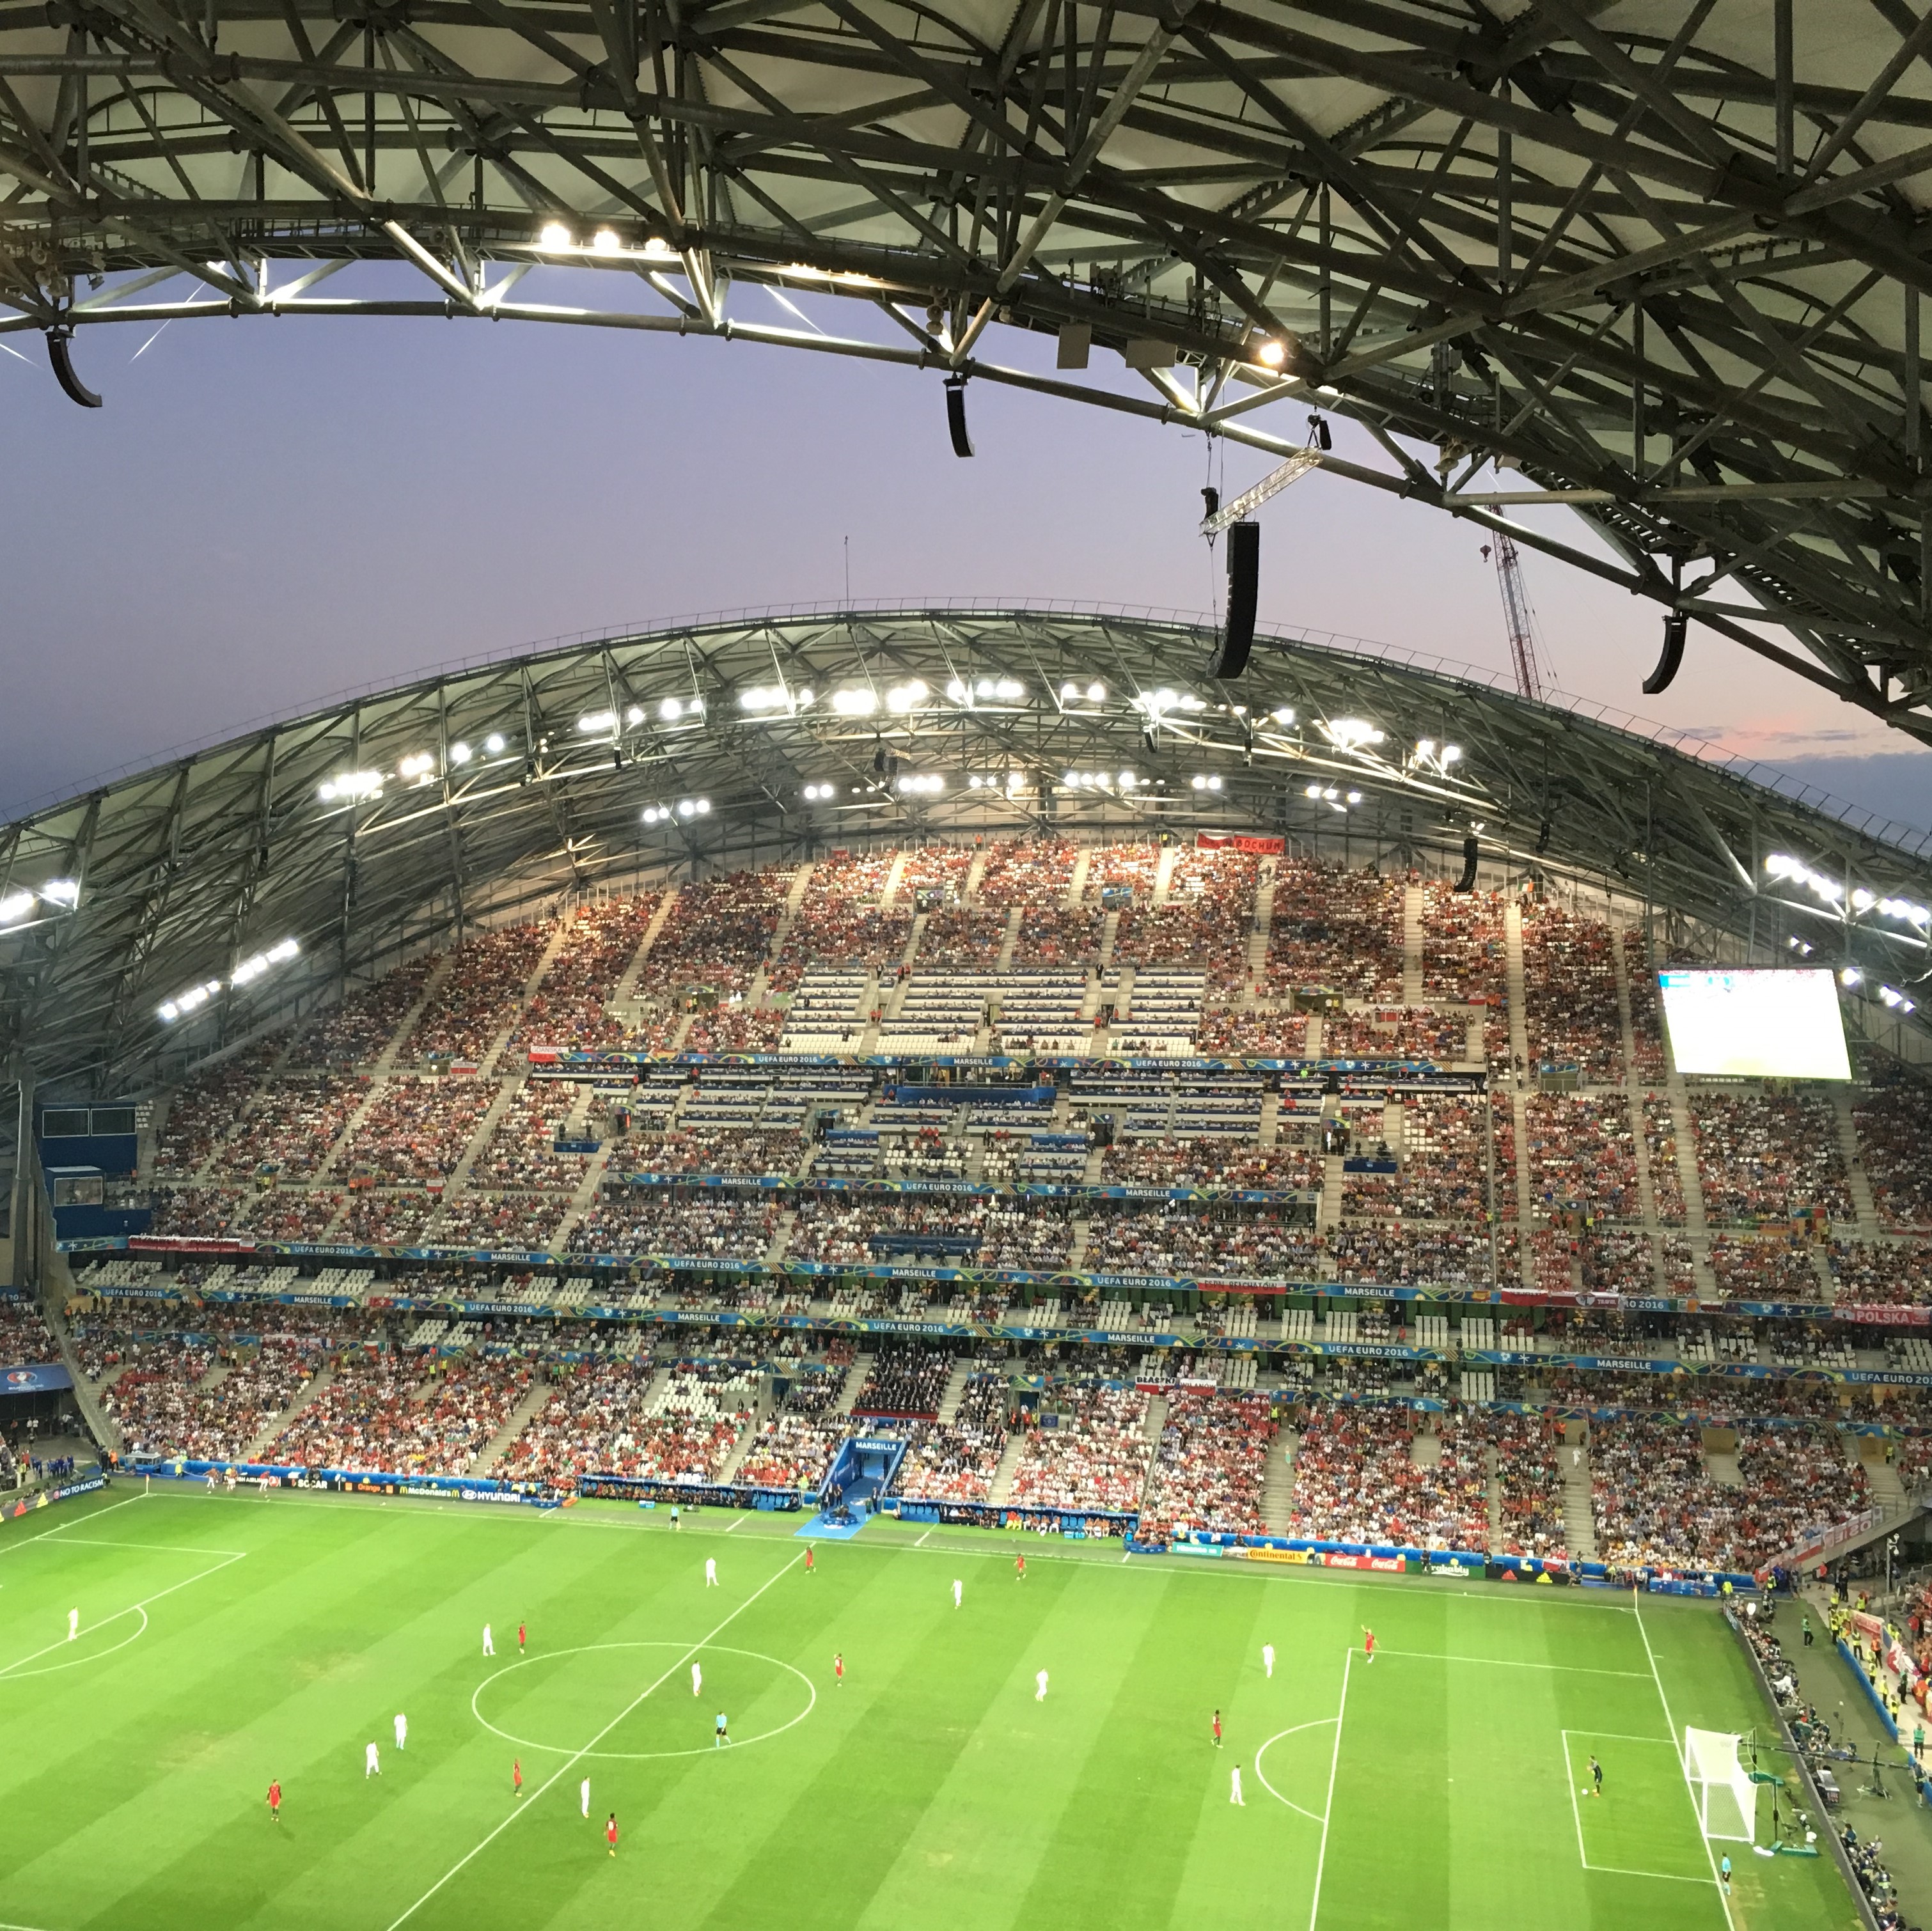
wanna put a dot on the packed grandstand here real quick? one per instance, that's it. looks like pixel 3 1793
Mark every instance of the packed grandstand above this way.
pixel 1279 1199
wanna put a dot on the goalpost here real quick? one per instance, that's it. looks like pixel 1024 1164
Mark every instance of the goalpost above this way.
pixel 1725 1796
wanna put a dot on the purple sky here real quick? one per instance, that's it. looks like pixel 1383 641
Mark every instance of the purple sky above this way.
pixel 267 512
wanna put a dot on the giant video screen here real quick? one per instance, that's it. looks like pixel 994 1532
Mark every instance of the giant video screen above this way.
pixel 1778 1024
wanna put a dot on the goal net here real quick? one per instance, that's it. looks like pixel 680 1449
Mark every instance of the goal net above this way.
pixel 1725 1796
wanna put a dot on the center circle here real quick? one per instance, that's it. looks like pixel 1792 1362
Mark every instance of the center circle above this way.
pixel 604 1695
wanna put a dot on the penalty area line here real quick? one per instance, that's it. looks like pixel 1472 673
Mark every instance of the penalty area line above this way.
pixel 571 1763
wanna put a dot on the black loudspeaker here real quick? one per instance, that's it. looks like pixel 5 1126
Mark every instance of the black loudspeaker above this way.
pixel 58 355
pixel 1675 627
pixel 956 415
pixel 1244 568
pixel 1467 883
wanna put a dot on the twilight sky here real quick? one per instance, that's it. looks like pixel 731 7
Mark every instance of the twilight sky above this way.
pixel 268 512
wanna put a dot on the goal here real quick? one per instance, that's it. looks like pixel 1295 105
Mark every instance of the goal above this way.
pixel 1726 1798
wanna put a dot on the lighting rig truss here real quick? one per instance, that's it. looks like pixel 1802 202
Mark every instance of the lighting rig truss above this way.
pixel 1662 263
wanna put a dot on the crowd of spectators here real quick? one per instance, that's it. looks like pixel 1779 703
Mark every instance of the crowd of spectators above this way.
pixel 1660 1136
pixel 840 922
pixel 477 999
pixel 527 1221
pixel 1646 1005
pixel 1396 1254
pixel 1225 1033
pixel 907 1379
pixel 1182 1241
pixel 569 1009
pixel 1338 930
pixel 1870 1274
pixel 1762 1156
pixel 1893 1119
pixel 1528 1451
pixel 1211 1466
pixel 1445 1173
pixel 717 933
pixel 1395 1032
pixel 965 940
pixel 1465 956
pixel 1570 992
pixel 752 1150
pixel 795 1444
pixel 1656 1501
pixel 1027 871
pixel 1057 935
pixel 203 1213
pixel 1095 1455
pixel 654 1221
pixel 387 1217
pixel 1769 1269
pixel 735 1027
pixel 1582 1155
pixel 1210 1161
pixel 1356 1478
pixel 956 1460
pixel 289 1128
pixel 521 1150
pixel 203 1112
pixel 432 1416
pixel 593 1405
pixel 416 1129
pixel 355 1032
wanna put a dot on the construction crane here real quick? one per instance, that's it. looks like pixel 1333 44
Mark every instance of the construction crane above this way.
pixel 1518 614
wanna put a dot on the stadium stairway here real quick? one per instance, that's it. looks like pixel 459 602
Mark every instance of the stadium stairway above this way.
pixel 258 1449
pixel 1519 1011
pixel 1328 1213
pixel 1697 1220
pixel 1000 1493
pixel 1157 1420
pixel 1258 944
pixel 1857 1179
pixel 956 1386
pixel 855 1380
pixel 1412 994
pixel 1278 1486
pixel 1012 939
pixel 1163 874
pixel 625 990
pixel 1720 1458
pixel 1076 1252
pixel 86 1394
pixel 894 873
pixel 525 1412
pixel 1110 931
pixel 787 1220
pixel 1580 1523
pixel 1868 1451
pixel 748 1437
pixel 1076 885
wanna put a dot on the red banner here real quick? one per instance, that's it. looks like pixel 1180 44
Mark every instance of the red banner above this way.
pixel 1238 841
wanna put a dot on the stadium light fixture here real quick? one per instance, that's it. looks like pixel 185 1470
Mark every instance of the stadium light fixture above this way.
pixel 1355 797
pixel 1205 781
pixel 1896 1000
pixel 913 785
pixel 635 716
pixel 192 1000
pixel 594 723
pixel 657 249
pixel 859 702
pixel 418 765
pixel 1269 353
pixel 1126 781
pixel 459 753
pixel 605 242
pixel 15 907
pixel 1285 716
pixel 553 235
pixel 1351 734
pixel 351 787
pixel 653 813
pixel 901 697
pixel 493 744
pixel 1851 976
pixel 65 892
pixel 817 794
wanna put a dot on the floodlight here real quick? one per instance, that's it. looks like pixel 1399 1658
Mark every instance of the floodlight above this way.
pixel 62 892
pixel 1128 781
pixel 1851 976
pixel 605 242
pixel 1270 354
pixel 1313 791
pixel 553 235
pixel 685 807
pixel 1009 688
pixel 594 721
pixel 1355 797
pixel 459 753
pixel 15 907
pixel 418 764
pixel 494 745
pixel 703 805
pixel 1096 694
pixel 1284 716
pixel 1450 753
pixel 957 691
pixel 657 249
pixel 635 716
pixel 854 703
pixel 1070 779
pixel 901 697
pixel 671 710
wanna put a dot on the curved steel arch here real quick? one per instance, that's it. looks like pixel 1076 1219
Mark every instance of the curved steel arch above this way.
pixel 384 822
pixel 1663 259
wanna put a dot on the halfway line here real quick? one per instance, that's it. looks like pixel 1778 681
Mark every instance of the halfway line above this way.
pixel 570 1763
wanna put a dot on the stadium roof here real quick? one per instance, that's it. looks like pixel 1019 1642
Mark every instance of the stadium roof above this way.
pixel 1661 261
pixel 386 820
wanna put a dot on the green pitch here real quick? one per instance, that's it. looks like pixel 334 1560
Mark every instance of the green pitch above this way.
pixel 226 1642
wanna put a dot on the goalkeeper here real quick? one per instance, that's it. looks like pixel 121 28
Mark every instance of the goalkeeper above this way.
pixel 1596 1778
